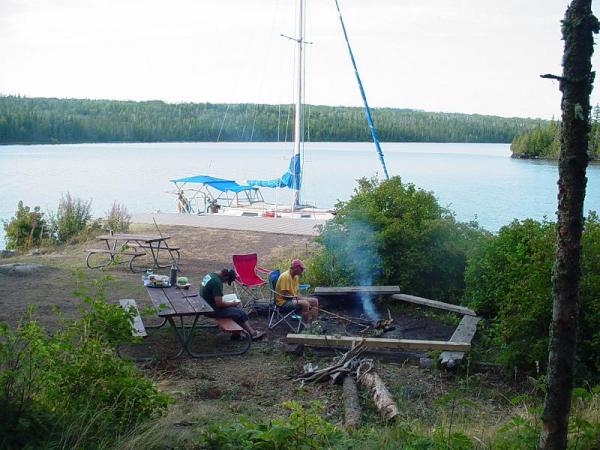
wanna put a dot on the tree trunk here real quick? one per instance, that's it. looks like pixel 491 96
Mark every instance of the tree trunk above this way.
pixel 578 28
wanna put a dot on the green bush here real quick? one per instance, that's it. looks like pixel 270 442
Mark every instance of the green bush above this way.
pixel 23 420
pixel 26 229
pixel 70 389
pixel 117 218
pixel 70 219
pixel 302 429
pixel 394 233
pixel 509 283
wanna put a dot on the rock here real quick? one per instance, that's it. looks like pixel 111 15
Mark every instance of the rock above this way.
pixel 295 349
pixel 37 251
pixel 425 363
pixel 20 269
pixel 8 253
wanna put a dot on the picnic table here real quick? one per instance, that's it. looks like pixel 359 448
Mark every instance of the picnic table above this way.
pixel 142 251
pixel 174 305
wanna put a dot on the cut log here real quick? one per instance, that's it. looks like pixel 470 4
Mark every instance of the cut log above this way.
pixel 315 340
pixel 434 304
pixel 380 394
pixel 463 333
pixel 349 290
pixel 351 404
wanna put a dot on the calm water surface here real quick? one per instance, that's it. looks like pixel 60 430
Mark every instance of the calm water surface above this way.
pixel 477 181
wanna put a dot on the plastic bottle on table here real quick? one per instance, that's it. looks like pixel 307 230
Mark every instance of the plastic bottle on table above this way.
pixel 173 279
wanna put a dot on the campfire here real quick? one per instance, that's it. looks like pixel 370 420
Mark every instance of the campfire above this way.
pixel 380 325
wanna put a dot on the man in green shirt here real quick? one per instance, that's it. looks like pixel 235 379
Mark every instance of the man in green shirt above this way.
pixel 211 289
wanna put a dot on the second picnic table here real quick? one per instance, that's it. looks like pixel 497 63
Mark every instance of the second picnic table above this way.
pixel 135 247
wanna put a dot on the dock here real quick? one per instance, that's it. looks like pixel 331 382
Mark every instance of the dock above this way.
pixel 276 225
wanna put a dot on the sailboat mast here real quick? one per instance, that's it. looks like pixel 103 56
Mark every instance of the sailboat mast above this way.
pixel 298 132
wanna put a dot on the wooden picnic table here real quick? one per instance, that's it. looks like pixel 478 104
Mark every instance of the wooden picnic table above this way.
pixel 174 304
pixel 135 247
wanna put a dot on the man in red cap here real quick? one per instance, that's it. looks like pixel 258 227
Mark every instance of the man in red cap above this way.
pixel 287 291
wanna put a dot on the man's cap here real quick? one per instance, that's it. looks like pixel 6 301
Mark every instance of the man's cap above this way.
pixel 297 264
pixel 228 275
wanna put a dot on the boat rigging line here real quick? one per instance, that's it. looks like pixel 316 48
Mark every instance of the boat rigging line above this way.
pixel 364 97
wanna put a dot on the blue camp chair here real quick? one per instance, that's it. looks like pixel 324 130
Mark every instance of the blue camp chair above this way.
pixel 285 313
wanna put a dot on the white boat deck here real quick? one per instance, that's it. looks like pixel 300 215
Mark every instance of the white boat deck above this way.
pixel 279 225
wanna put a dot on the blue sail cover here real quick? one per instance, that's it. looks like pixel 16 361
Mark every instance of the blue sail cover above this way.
pixel 290 179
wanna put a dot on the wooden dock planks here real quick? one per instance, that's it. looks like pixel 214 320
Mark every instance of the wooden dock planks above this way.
pixel 434 304
pixel 347 341
pixel 280 225
pixel 349 290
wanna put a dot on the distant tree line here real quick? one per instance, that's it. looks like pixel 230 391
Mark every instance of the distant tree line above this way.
pixel 543 141
pixel 51 120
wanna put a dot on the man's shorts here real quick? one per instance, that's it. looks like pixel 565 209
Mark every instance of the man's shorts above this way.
pixel 231 312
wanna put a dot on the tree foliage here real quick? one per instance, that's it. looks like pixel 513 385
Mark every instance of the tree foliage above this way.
pixel 396 234
pixel 508 281
pixel 543 141
pixel 48 120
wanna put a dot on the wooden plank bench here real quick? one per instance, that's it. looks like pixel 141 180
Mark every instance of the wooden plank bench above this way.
pixel 313 340
pixel 434 304
pixel 463 333
pixel 111 254
pixel 229 326
pixel 149 246
pixel 351 290
pixel 137 327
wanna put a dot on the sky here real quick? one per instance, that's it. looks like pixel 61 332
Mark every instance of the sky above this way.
pixel 467 56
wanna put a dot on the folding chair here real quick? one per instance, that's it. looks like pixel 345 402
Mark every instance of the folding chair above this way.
pixel 281 313
pixel 249 286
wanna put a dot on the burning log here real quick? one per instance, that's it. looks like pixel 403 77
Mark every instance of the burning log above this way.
pixel 380 394
pixel 384 323
pixel 381 326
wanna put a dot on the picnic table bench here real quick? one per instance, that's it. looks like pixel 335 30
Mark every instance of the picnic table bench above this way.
pixel 142 252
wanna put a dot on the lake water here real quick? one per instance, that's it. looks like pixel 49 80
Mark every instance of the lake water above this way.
pixel 477 181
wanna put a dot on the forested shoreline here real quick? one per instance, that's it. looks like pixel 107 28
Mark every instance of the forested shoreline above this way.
pixel 57 121
pixel 543 141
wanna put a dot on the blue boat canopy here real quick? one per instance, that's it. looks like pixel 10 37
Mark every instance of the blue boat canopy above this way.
pixel 220 184
pixel 198 179
pixel 290 179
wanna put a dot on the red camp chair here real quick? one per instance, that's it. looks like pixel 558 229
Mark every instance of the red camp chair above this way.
pixel 249 286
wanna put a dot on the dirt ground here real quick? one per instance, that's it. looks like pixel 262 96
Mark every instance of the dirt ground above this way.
pixel 255 384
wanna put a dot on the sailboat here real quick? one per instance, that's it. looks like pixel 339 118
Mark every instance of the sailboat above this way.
pixel 222 196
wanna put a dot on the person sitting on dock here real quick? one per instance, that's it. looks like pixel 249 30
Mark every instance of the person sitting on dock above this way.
pixel 211 289
pixel 183 204
pixel 287 291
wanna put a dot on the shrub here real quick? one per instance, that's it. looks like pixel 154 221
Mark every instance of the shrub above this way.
pixel 23 420
pixel 395 233
pixel 509 282
pixel 71 218
pixel 303 428
pixel 26 229
pixel 73 380
pixel 117 218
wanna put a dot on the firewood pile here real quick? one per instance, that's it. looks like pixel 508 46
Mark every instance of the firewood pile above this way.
pixel 349 369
